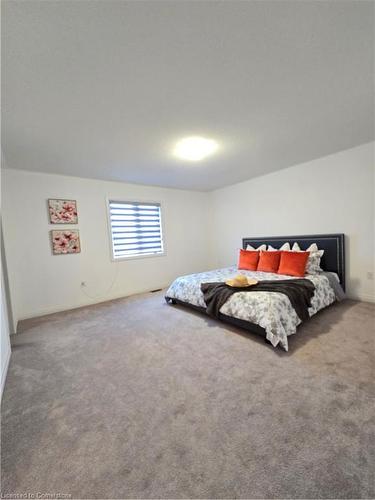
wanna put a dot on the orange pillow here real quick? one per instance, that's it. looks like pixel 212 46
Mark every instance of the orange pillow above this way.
pixel 269 261
pixel 293 263
pixel 248 260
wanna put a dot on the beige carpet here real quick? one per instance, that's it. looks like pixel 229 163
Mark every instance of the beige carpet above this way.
pixel 138 399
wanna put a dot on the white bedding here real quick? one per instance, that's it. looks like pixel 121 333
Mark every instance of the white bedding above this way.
pixel 270 310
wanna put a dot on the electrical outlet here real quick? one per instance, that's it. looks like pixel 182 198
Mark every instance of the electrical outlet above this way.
pixel 370 275
pixel 83 283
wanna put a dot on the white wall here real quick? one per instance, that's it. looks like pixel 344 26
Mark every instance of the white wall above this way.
pixel 5 349
pixel 41 283
pixel 5 342
pixel 334 194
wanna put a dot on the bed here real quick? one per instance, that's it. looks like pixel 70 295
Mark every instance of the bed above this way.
pixel 268 313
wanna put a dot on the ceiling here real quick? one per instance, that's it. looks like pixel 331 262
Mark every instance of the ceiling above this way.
pixel 104 89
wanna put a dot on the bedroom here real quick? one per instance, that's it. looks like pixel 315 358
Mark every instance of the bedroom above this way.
pixel 146 146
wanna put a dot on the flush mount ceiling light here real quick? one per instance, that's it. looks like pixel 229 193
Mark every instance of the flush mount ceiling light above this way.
pixel 195 148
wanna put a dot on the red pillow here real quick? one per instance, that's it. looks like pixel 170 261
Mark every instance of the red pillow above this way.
pixel 248 259
pixel 293 263
pixel 269 261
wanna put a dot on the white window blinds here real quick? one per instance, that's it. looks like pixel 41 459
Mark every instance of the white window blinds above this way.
pixel 135 228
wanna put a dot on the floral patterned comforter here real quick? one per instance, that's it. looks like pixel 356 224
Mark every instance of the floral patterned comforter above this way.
pixel 270 310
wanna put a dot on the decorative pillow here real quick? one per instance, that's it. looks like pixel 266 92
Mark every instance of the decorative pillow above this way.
pixel 285 248
pixel 312 248
pixel 248 259
pixel 313 263
pixel 262 247
pixel 293 263
pixel 269 261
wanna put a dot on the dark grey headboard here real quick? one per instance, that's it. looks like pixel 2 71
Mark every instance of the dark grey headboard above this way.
pixel 332 244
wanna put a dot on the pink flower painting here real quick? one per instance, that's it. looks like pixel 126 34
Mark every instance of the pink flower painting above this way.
pixel 62 211
pixel 64 242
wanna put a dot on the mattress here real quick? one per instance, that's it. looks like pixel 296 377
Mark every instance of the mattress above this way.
pixel 272 311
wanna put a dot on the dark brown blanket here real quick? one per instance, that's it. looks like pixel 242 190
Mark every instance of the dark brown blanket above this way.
pixel 299 292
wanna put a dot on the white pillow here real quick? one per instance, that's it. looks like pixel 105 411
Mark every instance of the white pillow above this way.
pixel 313 262
pixel 262 247
pixel 312 248
pixel 285 248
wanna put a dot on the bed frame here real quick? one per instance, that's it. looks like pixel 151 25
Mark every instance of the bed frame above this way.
pixel 333 260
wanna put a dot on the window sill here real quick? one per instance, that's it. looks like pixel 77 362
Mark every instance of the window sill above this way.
pixel 137 257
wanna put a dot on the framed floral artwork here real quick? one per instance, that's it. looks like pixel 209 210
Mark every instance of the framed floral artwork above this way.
pixel 64 242
pixel 62 211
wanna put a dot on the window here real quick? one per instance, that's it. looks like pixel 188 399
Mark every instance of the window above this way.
pixel 135 228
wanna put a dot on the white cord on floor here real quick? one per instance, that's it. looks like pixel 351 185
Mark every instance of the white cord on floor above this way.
pixel 106 291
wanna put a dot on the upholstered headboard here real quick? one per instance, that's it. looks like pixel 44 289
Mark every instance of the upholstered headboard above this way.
pixel 332 244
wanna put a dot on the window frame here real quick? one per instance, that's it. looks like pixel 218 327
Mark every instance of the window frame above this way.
pixel 116 199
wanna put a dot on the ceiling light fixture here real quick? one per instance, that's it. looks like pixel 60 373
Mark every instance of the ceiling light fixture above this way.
pixel 195 148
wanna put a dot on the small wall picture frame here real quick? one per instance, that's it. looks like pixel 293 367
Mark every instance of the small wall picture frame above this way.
pixel 62 211
pixel 65 241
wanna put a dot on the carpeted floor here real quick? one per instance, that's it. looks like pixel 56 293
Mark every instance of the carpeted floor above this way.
pixel 137 399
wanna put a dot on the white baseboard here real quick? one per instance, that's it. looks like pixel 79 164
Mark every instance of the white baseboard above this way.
pixel 89 302
pixel 363 297
pixel 4 372
pixel 67 307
